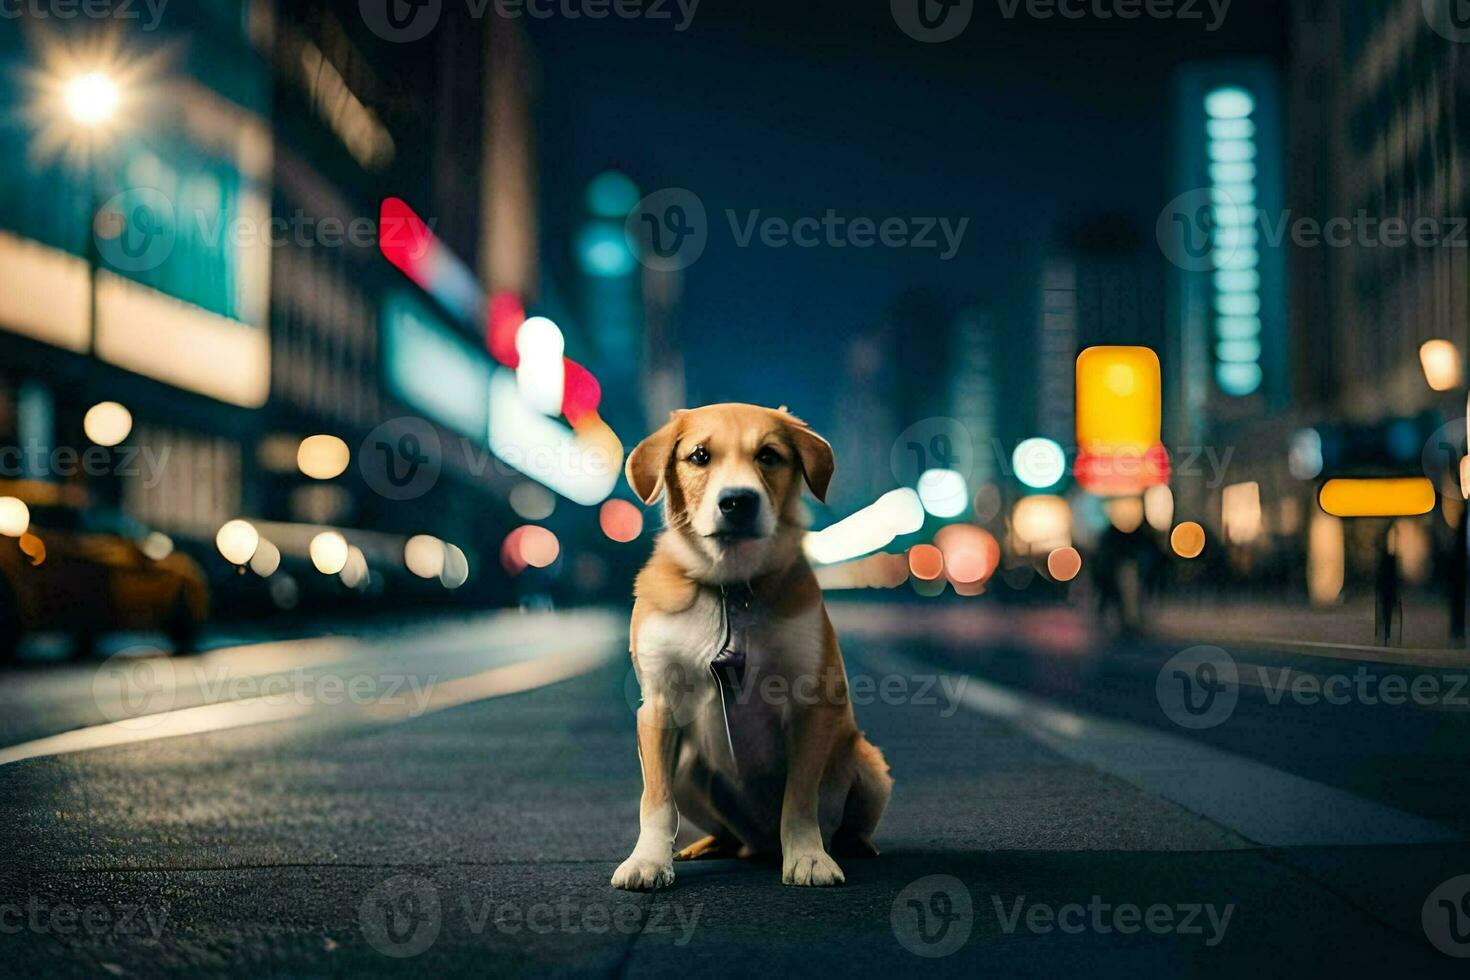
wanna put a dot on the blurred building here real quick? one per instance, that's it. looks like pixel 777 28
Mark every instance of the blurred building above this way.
pixel 905 370
pixel 360 119
pixel 1100 285
pixel 1378 105
pixel 1227 363
pixel 124 277
pixel 865 422
pixel 627 311
pixel 242 300
pixel 973 389
pixel 1361 205
pixel 1377 92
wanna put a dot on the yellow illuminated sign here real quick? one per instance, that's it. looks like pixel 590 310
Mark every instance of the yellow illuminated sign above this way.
pixel 1405 497
pixel 1120 421
pixel 1119 398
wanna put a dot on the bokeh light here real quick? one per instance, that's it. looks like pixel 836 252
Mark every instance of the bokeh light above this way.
pixel 1158 507
pixel 510 552
pixel 266 560
pixel 896 513
pixel 1389 497
pixel 323 457
pixel 1240 512
pixel 423 554
pixel 1039 463
pixel 92 99
pixel 540 373
pixel 329 552
pixel 355 574
pixel 1064 564
pixel 532 501
pixel 1326 559
pixel 988 503
pixel 1304 459
pixel 971 554
pixel 33 548
pixel 926 562
pixel 237 541
pixel 1125 513
pixel 1040 524
pixel 943 493
pixel 1441 362
pixel 539 547
pixel 620 520
pixel 456 567
pixel 107 423
pixel 1188 540
pixel 15 517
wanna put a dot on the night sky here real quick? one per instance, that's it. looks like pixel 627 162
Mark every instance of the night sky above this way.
pixel 793 109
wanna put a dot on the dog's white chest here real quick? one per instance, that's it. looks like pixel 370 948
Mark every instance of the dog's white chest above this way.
pixel 736 727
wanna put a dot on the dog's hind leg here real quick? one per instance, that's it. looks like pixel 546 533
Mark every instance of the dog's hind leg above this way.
pixel 866 801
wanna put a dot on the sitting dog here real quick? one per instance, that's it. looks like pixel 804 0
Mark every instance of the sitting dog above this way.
pixel 745 726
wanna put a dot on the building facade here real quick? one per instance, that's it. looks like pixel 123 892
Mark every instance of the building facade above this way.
pixel 211 260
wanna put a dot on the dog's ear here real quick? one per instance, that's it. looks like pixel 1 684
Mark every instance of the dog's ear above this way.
pixel 817 461
pixel 649 460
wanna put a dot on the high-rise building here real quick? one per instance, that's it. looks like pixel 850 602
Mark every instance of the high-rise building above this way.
pixel 973 401
pixel 1100 285
pixel 1228 361
pixel 1377 93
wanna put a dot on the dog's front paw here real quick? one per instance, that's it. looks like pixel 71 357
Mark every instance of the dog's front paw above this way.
pixel 640 874
pixel 814 868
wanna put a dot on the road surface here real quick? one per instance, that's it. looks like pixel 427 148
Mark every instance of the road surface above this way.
pixel 453 797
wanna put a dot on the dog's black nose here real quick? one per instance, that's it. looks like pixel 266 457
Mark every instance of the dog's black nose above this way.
pixel 739 506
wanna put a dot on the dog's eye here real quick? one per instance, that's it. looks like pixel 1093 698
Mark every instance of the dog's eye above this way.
pixel 769 457
pixel 700 456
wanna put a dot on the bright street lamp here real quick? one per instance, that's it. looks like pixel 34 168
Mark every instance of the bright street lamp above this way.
pixel 92 99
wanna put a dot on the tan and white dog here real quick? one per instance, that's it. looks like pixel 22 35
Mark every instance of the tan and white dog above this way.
pixel 772 763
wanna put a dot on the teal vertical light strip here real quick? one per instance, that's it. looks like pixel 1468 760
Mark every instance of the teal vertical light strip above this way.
pixel 1231 150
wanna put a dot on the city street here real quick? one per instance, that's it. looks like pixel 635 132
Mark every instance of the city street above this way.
pixel 455 795
pixel 375 373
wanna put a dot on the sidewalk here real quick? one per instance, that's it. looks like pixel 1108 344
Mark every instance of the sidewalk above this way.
pixel 1347 627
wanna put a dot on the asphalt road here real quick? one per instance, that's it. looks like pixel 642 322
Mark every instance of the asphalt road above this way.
pixel 453 798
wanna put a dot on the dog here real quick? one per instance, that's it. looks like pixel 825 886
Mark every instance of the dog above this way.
pixel 745 725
